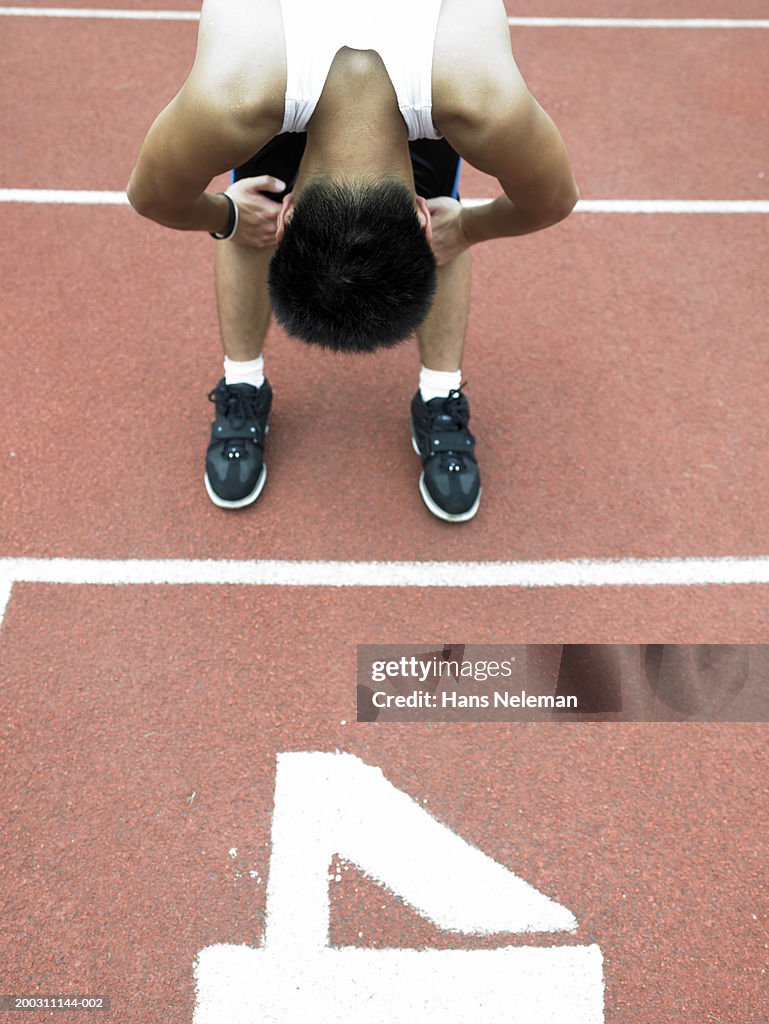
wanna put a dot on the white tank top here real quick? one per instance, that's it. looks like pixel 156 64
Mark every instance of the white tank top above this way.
pixel 402 32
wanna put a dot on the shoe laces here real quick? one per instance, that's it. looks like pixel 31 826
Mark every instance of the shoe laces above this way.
pixel 452 407
pixel 452 417
pixel 236 404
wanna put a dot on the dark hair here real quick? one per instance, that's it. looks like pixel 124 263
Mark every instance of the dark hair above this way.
pixel 354 270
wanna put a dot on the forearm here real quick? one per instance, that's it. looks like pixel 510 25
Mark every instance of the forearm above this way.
pixel 501 218
pixel 205 212
pixel 178 159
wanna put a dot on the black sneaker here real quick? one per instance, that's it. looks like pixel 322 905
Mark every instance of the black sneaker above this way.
pixel 235 470
pixel 450 482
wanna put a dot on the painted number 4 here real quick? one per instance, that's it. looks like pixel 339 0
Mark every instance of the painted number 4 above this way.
pixel 327 804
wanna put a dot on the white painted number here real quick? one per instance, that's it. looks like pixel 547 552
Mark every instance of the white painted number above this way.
pixel 327 804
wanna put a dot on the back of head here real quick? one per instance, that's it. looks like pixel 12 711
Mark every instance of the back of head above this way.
pixel 354 270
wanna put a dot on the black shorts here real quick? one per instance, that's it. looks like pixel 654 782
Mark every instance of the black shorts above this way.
pixel 435 164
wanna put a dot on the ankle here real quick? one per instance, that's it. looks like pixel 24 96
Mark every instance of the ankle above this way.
pixel 247 371
pixel 438 383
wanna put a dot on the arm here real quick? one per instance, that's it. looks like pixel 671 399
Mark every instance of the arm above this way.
pixel 191 141
pixel 229 107
pixel 526 153
pixel 482 106
pixel 523 149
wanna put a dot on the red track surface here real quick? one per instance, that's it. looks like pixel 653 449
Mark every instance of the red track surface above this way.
pixel 652 835
pixel 645 113
pixel 617 369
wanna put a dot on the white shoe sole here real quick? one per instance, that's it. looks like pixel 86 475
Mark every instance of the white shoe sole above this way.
pixel 414 444
pixel 241 502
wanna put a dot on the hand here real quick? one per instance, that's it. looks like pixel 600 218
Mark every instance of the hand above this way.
pixel 449 239
pixel 257 215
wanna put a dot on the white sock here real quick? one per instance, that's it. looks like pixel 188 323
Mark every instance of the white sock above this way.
pixel 249 371
pixel 438 383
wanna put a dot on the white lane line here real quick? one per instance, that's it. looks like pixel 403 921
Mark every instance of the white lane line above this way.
pixel 83 197
pixel 94 12
pixel 77 197
pixel 661 205
pixel 673 206
pixel 6 586
pixel 147 15
pixel 577 572
pixel 719 23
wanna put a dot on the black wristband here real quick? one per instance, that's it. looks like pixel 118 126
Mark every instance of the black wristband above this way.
pixel 232 222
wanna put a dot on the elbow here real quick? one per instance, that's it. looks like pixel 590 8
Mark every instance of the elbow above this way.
pixel 564 202
pixel 552 208
pixel 139 199
pixel 134 196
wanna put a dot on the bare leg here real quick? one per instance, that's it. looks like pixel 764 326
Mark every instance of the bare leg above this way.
pixel 442 335
pixel 243 301
pixel 450 485
pixel 235 470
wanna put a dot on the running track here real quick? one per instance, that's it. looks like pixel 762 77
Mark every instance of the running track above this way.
pixel 617 368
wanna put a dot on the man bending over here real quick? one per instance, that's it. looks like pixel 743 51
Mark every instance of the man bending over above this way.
pixel 346 121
